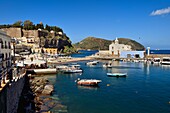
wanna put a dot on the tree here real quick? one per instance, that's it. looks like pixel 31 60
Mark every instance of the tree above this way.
pixel 28 25
pixel 47 27
pixel 40 26
pixel 18 24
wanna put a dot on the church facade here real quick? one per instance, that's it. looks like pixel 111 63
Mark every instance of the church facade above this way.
pixel 115 48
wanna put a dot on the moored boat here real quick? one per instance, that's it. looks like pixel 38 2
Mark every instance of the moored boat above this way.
pixel 117 74
pixel 88 82
pixel 156 60
pixel 92 63
pixel 72 69
pixel 165 61
pixel 107 65
pixel 45 71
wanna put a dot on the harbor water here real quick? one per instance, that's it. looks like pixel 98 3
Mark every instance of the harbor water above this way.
pixel 144 90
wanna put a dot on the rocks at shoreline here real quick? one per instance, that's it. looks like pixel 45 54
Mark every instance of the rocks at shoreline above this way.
pixel 41 86
pixel 43 100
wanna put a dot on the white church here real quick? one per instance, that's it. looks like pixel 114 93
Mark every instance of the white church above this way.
pixel 115 48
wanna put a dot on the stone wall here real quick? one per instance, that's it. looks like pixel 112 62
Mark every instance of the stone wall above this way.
pixel 13 95
pixel 10 95
pixel 13 32
pixel 157 55
pixel 3 100
pixel 18 32
pixel 30 33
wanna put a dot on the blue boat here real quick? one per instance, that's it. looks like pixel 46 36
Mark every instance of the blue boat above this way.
pixel 117 74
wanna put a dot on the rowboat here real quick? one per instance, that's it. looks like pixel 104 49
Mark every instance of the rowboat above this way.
pixel 88 82
pixel 117 74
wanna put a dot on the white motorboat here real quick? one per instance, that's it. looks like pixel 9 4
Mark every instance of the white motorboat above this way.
pixel 117 74
pixel 156 60
pixel 92 63
pixel 165 61
pixel 72 69
pixel 88 82
pixel 107 65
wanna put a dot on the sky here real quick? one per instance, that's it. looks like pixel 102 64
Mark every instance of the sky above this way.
pixel 145 21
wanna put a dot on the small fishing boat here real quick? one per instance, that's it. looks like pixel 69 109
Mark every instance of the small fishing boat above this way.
pixel 61 67
pixel 107 65
pixel 117 74
pixel 92 63
pixel 165 61
pixel 73 69
pixel 156 61
pixel 88 82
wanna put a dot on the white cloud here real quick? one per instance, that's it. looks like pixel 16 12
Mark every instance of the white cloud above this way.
pixel 161 11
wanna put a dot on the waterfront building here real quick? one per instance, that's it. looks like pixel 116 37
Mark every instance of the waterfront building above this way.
pixel 103 53
pixel 49 51
pixel 132 54
pixel 115 48
pixel 5 57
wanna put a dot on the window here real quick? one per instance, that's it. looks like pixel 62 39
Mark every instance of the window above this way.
pixel 2 56
pixel 9 46
pixel 5 45
pixel 2 46
pixel 6 56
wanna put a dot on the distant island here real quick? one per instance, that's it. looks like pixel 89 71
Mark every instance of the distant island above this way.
pixel 94 43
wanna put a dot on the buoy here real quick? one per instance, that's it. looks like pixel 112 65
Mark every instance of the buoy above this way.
pixel 108 84
pixel 169 102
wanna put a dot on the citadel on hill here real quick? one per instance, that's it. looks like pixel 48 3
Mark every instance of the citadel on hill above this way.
pixel 34 38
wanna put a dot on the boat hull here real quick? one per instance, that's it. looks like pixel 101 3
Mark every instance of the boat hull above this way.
pixel 73 71
pixel 45 71
pixel 116 74
pixel 88 82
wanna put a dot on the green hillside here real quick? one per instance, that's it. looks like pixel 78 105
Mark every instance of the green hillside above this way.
pixel 93 43
pixel 102 44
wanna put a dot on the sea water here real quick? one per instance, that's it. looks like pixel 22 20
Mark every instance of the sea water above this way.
pixel 146 89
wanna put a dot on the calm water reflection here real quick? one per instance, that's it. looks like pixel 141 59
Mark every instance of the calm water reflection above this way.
pixel 145 89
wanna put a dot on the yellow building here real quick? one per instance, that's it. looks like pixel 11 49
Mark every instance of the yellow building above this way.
pixel 51 51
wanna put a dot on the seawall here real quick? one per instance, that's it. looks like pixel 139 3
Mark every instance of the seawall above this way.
pixel 10 95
